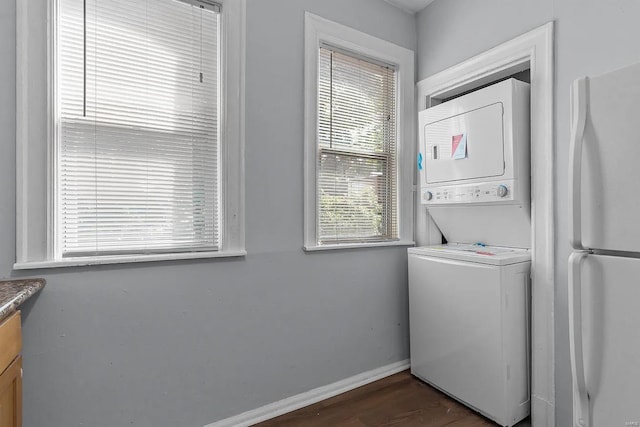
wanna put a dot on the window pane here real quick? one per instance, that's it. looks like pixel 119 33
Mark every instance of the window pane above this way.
pixel 357 149
pixel 138 127
pixel 352 193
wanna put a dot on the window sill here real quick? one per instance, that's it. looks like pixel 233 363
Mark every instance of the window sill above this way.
pixel 315 248
pixel 124 259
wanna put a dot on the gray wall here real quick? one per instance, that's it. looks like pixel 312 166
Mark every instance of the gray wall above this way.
pixel 188 343
pixel 592 36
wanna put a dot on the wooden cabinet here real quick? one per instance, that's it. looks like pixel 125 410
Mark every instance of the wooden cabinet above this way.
pixel 11 372
pixel 11 395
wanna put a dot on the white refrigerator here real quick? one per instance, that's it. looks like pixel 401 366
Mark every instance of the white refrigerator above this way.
pixel 604 268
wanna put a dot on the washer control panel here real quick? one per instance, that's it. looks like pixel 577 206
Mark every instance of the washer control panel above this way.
pixel 472 193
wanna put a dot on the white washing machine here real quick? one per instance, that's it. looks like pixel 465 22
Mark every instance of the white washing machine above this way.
pixel 469 322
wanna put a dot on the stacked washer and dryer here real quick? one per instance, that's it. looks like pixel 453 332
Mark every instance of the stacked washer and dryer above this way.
pixel 469 298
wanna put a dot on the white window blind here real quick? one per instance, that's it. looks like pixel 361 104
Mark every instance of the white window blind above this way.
pixel 138 140
pixel 356 178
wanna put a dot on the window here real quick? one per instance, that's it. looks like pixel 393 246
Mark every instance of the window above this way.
pixel 356 149
pixel 358 172
pixel 144 152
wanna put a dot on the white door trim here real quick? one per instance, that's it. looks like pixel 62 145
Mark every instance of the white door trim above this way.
pixel 534 51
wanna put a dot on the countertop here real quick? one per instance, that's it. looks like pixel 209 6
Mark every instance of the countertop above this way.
pixel 15 292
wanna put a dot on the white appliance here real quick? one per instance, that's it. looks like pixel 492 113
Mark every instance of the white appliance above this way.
pixel 604 269
pixel 474 165
pixel 468 303
pixel 469 319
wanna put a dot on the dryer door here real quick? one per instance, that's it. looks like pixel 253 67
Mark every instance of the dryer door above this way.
pixel 467 146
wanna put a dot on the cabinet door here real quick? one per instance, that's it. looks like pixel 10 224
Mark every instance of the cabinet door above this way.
pixel 10 340
pixel 11 395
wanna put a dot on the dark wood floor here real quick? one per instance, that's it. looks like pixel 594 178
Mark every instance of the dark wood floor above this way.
pixel 399 400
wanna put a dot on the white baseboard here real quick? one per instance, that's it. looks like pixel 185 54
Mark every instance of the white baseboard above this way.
pixel 310 397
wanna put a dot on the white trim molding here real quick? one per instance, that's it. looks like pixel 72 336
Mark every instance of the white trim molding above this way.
pixel 318 31
pixel 35 127
pixel 533 51
pixel 310 397
pixel 125 259
pixel 358 245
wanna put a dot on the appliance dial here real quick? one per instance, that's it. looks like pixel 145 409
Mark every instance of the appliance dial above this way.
pixel 428 195
pixel 503 190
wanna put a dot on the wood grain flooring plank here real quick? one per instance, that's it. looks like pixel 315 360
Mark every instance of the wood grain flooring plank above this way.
pixel 400 400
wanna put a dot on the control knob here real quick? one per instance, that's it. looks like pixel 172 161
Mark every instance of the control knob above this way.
pixel 428 195
pixel 503 190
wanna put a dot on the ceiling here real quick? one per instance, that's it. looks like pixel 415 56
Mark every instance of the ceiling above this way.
pixel 412 6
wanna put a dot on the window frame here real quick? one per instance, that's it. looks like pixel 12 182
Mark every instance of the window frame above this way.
pixel 35 131
pixel 321 32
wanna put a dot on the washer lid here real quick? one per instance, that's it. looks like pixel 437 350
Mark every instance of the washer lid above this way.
pixel 492 255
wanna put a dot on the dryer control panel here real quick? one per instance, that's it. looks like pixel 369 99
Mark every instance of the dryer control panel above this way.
pixel 471 193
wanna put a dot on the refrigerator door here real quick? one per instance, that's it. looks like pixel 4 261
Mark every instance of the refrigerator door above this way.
pixel 604 322
pixel 605 165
